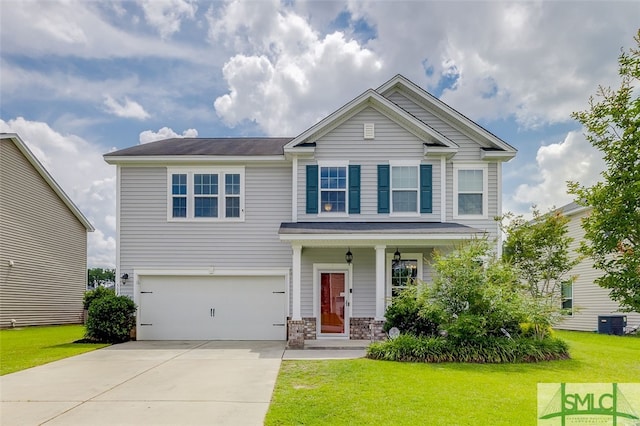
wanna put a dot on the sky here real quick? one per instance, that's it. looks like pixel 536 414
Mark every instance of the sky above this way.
pixel 79 79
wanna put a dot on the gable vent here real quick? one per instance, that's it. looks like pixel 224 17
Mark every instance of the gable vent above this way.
pixel 369 131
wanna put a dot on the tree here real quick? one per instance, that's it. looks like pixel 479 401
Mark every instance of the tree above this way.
pixel 612 229
pixel 539 250
pixel 99 276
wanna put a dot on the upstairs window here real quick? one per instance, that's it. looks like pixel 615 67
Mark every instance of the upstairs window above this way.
pixel 333 189
pixel 179 195
pixel 201 195
pixel 404 189
pixel 470 191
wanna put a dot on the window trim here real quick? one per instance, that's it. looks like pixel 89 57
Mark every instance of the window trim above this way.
pixel 406 256
pixel 321 211
pixel 485 189
pixel 416 165
pixel 563 299
pixel 190 172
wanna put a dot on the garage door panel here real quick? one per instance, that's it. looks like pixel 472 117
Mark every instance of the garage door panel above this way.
pixel 211 308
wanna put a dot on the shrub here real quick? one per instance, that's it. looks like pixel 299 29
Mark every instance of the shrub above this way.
pixel 97 293
pixel 404 314
pixel 111 318
pixel 410 348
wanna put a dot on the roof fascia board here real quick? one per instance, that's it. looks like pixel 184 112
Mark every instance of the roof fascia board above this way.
pixel 496 155
pixel 163 159
pixel 442 110
pixel 19 143
pixel 377 236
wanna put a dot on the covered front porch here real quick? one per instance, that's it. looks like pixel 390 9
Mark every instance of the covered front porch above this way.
pixel 345 273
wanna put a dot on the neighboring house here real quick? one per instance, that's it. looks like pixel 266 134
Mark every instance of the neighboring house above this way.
pixel 586 298
pixel 43 243
pixel 248 238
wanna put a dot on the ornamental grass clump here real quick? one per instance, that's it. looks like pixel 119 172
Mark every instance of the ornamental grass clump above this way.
pixel 472 312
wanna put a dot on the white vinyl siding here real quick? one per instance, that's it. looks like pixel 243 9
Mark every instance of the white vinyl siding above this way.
pixel 589 300
pixel 45 241
pixel 392 143
pixel 149 241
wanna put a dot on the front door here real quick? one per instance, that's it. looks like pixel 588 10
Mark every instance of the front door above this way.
pixel 334 302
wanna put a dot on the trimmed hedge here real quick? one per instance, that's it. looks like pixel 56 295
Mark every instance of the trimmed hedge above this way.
pixel 494 350
pixel 111 319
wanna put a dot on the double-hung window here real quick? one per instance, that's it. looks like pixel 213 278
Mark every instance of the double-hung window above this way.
pixel 333 189
pixel 470 191
pixel 206 194
pixel 567 297
pixel 404 189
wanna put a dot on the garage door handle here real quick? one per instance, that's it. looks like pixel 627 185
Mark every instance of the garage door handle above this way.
pixel 212 312
pixel 278 325
pixel 278 292
pixel 146 292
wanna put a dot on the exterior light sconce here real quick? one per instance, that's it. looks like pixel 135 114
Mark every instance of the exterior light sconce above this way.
pixel 124 278
pixel 396 256
pixel 348 256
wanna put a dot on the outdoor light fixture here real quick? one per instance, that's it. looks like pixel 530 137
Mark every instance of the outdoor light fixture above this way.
pixel 124 278
pixel 348 256
pixel 396 256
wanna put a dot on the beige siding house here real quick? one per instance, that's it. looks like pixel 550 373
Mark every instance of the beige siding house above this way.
pixel 588 299
pixel 43 243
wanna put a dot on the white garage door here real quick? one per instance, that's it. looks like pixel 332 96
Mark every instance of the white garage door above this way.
pixel 211 308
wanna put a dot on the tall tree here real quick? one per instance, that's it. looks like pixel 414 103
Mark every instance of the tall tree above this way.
pixel 612 229
pixel 539 250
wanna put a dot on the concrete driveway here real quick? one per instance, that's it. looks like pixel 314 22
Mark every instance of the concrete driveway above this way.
pixel 147 383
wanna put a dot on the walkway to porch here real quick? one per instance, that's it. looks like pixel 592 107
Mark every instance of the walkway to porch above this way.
pixel 328 349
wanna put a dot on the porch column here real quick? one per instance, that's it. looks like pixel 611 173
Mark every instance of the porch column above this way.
pixel 295 290
pixel 380 282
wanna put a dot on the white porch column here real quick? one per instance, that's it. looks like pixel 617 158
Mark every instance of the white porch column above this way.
pixel 295 290
pixel 380 282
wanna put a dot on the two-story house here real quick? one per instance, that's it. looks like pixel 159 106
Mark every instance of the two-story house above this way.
pixel 306 237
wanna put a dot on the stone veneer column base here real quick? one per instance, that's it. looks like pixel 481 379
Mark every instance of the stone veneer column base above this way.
pixel 366 329
pixel 295 334
pixel 310 331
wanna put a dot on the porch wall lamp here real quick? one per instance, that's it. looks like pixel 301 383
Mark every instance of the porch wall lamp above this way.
pixel 124 278
pixel 348 256
pixel 396 256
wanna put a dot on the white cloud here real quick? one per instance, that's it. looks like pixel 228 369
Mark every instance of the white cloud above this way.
pixel 127 109
pixel 78 167
pixel 288 76
pixel 573 159
pixel 542 59
pixel 77 28
pixel 165 133
pixel 167 15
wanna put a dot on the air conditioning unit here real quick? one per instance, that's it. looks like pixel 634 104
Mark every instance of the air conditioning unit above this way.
pixel 612 324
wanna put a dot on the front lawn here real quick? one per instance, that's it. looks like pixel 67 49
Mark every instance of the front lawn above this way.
pixel 363 391
pixel 28 347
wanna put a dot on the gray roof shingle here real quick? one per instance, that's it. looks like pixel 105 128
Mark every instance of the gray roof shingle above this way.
pixel 207 146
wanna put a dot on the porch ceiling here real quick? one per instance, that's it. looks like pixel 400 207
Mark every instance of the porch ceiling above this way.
pixel 368 234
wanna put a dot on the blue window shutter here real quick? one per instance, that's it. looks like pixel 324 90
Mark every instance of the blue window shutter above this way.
pixel 312 189
pixel 354 189
pixel 426 191
pixel 383 188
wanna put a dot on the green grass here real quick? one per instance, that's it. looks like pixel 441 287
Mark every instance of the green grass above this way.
pixel 28 347
pixel 363 391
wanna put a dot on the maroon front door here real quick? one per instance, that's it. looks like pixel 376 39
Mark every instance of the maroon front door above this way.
pixel 333 298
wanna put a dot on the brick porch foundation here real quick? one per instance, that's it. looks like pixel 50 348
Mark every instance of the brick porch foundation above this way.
pixel 360 328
